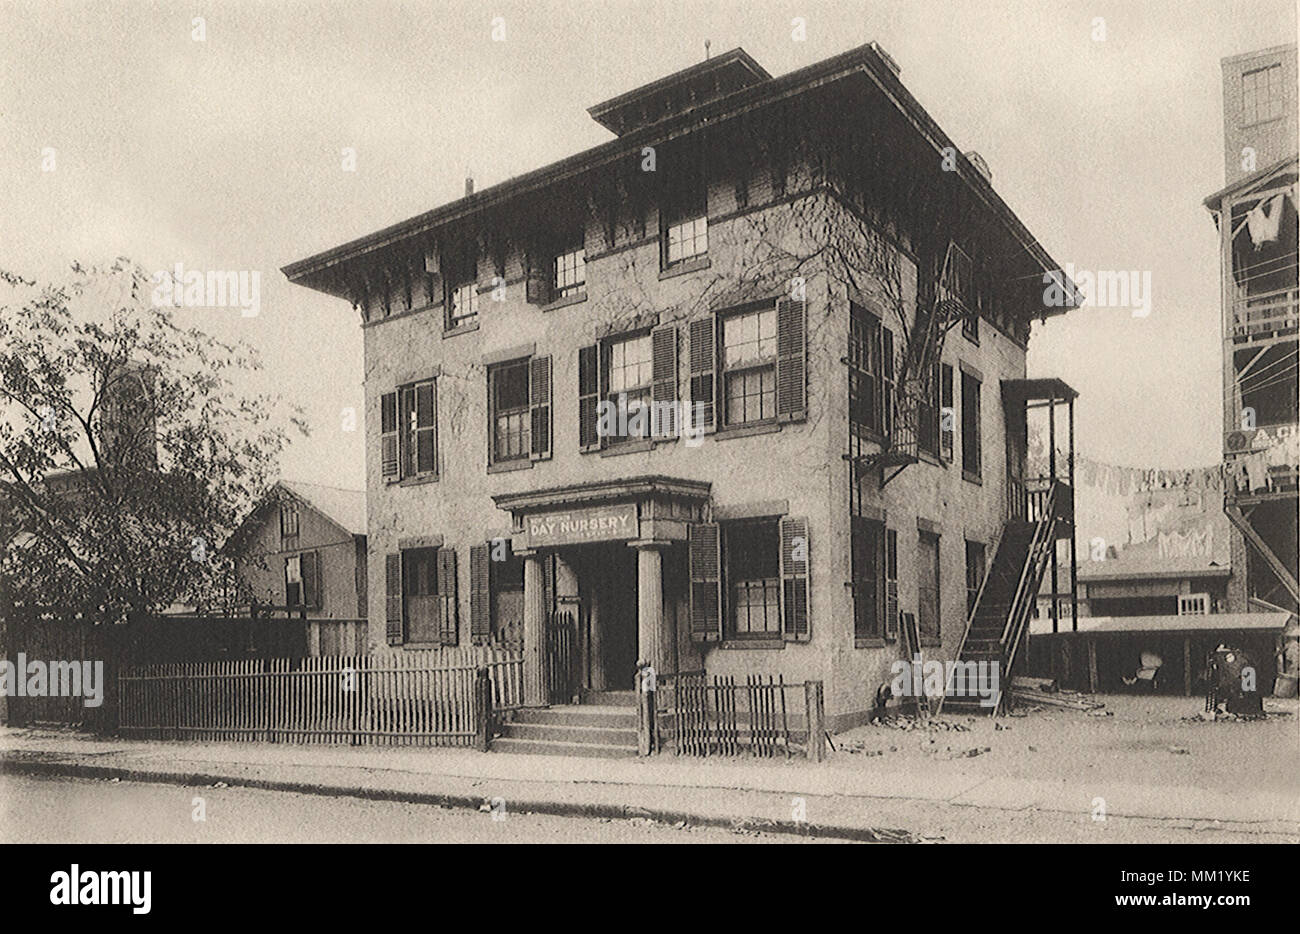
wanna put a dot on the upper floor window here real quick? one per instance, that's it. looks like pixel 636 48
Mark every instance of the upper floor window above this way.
pixel 686 227
pixel 629 363
pixel 288 521
pixel 749 367
pixel 460 276
pixel 409 431
pixel 511 429
pixel 302 580
pixel 871 371
pixel 1262 96
pixel 971 454
pixel 569 274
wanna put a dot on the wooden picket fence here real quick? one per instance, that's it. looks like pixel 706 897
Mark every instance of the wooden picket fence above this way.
pixel 423 698
pixel 764 716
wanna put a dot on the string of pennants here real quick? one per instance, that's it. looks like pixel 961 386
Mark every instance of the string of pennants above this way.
pixel 1123 481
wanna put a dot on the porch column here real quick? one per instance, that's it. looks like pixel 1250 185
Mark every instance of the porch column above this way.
pixel 535 693
pixel 651 635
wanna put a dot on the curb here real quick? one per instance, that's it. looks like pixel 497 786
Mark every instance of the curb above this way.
pixel 471 802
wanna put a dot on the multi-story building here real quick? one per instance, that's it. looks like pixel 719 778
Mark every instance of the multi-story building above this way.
pixel 690 390
pixel 1257 223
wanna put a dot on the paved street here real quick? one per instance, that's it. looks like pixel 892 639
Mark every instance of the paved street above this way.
pixel 88 811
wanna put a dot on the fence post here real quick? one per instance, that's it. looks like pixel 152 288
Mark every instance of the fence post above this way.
pixel 482 709
pixel 816 712
pixel 645 709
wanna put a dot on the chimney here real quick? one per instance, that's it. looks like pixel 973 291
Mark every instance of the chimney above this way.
pixel 469 185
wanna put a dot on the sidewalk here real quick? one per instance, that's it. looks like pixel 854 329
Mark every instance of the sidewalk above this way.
pixel 844 798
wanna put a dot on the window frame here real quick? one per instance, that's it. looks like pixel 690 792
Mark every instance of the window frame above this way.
pixel 409 430
pixel 295 562
pixel 525 410
pixel 645 390
pixel 770 586
pixel 1258 99
pixel 757 366
pixel 289 509
pixel 972 441
pixel 572 290
pixel 409 581
pixel 688 207
pixel 923 539
pixel 870 361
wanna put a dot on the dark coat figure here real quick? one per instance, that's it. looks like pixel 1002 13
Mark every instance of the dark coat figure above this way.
pixel 1234 682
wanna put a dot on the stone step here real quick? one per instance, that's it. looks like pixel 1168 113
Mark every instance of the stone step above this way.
pixel 616 718
pixel 544 747
pixel 609 699
pixel 598 735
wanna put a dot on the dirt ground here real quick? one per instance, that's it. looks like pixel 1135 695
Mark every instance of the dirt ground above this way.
pixel 1146 740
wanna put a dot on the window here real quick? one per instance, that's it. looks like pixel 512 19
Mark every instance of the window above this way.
pixel 418 442
pixel 974 573
pixel 1262 96
pixel 293 580
pixel 302 580
pixel 1194 604
pixel 288 522
pixel 749 367
pixel 753 580
pixel 871 371
pixel 420 594
pixel 970 426
pixel 629 365
pixel 409 431
pixel 568 274
pixel 927 587
pixel 511 425
pixel 947 428
pixel 461 278
pixel 685 233
pixel 866 547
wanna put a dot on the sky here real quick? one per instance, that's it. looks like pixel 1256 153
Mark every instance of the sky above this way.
pixel 227 154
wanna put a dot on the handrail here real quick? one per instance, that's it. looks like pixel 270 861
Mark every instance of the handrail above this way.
pixel 1013 630
pixel 970 619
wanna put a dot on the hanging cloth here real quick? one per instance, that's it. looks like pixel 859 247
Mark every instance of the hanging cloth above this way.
pixel 1264 219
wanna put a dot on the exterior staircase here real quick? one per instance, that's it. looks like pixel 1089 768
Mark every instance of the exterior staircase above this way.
pixel 996 630
pixel 603 725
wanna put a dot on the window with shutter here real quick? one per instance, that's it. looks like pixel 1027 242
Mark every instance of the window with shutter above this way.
pixel 704 552
pixel 293 581
pixel 589 397
pixel 751 566
pixel 311 580
pixel 509 392
pixel 663 414
pixel 750 367
pixel 947 418
pixel 703 366
pixel 970 426
pixel 480 594
pixel 795 574
pixel 867 540
pixel 394 630
pixel 422 608
pixel 390 462
pixel 891 584
pixel 791 378
pixel 448 608
pixel 417 410
pixel 628 377
pixel 539 406
pixel 927 609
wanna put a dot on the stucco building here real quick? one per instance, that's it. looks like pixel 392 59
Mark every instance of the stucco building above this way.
pixel 826 307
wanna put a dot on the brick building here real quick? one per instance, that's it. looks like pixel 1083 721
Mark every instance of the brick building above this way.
pixel 840 302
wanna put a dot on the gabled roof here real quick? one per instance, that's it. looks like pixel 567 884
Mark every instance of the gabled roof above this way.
pixel 344 507
pixel 1136 565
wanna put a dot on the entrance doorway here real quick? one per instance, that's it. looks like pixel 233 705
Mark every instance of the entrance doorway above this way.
pixel 607 585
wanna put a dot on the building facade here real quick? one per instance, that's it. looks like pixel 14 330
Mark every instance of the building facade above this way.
pixel 303 548
pixel 738 391
pixel 1257 224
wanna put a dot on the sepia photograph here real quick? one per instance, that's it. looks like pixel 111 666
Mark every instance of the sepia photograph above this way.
pixel 650 422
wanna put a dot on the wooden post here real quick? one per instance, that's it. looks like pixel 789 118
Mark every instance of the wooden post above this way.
pixel 482 709
pixel 1187 665
pixel 645 709
pixel 1092 665
pixel 816 713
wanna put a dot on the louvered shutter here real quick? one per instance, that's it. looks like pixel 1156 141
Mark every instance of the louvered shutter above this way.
pixel 389 456
pixel 703 363
pixel 588 397
pixel 886 380
pixel 447 603
pixel 891 584
pixel 311 596
pixel 480 594
pixel 794 578
pixel 539 403
pixel 705 553
pixel 791 379
pixel 663 392
pixel 946 402
pixel 393 628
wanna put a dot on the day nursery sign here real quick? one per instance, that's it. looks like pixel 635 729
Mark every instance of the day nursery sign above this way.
pixel 577 526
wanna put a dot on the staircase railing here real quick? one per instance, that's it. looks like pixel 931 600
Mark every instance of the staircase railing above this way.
pixel 1042 543
pixel 970 619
